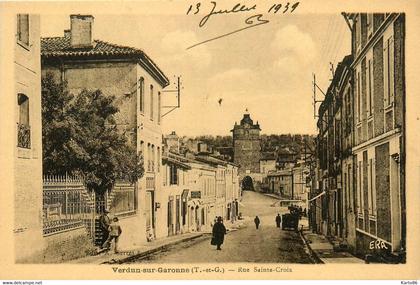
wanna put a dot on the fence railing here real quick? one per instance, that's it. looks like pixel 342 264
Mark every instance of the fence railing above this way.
pixel 67 205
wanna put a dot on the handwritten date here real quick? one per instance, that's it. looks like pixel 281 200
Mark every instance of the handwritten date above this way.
pixel 238 8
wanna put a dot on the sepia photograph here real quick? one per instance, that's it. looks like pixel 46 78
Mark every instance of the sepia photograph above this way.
pixel 168 133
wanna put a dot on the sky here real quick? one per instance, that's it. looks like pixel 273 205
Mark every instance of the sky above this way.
pixel 266 69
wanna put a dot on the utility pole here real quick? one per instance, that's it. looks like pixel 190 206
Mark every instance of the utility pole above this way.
pixel 177 90
pixel 314 97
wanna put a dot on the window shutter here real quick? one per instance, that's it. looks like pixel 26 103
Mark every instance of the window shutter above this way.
pixel 23 28
pixel 386 66
pixel 391 69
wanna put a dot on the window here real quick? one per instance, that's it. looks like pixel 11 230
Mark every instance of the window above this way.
pixel 142 152
pixel 174 175
pixel 151 102
pixel 159 106
pixel 23 28
pixel 141 94
pixel 149 157
pixel 24 129
pixel 371 189
pixel 369 86
pixel 388 70
pixel 158 159
pixel 153 158
pixel 359 99
pixel 359 189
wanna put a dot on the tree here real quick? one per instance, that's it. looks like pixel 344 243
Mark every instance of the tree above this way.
pixel 80 137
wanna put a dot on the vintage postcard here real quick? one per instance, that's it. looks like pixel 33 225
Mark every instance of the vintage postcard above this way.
pixel 209 140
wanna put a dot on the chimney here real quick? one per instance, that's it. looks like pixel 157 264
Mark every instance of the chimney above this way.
pixel 67 33
pixel 81 31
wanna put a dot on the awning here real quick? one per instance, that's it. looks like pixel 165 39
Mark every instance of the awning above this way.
pixel 316 197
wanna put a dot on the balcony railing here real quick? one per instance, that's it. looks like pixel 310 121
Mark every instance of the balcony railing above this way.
pixel 24 136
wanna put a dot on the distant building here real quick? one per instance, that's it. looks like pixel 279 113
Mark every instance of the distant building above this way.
pixel 172 141
pixel 281 183
pixel 286 158
pixel 268 162
pixel 300 187
pixel 172 214
pixel 247 150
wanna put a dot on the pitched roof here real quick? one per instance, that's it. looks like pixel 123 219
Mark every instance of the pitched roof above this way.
pixel 60 47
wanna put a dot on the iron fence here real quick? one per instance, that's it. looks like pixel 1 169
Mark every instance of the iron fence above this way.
pixel 67 205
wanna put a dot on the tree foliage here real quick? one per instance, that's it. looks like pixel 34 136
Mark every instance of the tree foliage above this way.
pixel 297 143
pixel 80 137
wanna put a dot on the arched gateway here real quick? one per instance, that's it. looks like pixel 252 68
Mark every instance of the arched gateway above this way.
pixel 247 183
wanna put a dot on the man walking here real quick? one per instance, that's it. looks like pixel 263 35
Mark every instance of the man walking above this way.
pixel 257 222
pixel 219 232
pixel 278 220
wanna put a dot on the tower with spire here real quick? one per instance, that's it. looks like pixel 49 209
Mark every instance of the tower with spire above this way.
pixel 247 145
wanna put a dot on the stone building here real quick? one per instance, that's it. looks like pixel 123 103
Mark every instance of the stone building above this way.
pixel 329 151
pixel 268 162
pixel 247 151
pixel 27 230
pixel 137 82
pixel 358 197
pixel 346 139
pixel 281 183
pixel 378 43
pixel 172 207
pixel 172 141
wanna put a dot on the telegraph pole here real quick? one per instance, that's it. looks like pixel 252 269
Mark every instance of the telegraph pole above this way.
pixel 177 90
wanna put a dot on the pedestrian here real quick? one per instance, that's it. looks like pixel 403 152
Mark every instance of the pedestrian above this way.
pixel 104 222
pixel 257 222
pixel 278 220
pixel 114 233
pixel 218 232
pixel 304 212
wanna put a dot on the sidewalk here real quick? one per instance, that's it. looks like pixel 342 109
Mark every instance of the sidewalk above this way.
pixel 128 254
pixel 322 249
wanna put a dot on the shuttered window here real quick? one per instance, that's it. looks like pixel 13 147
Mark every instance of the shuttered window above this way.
pixel 23 28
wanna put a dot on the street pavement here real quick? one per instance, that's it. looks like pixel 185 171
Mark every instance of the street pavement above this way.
pixel 268 244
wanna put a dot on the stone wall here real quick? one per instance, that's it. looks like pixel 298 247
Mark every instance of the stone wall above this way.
pixel 63 247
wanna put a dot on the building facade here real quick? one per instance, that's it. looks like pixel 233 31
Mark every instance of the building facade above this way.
pixel 28 235
pixel 358 190
pixel 268 162
pixel 172 200
pixel 136 82
pixel 378 42
pixel 281 183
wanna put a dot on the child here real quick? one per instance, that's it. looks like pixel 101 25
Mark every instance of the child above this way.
pixel 114 233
